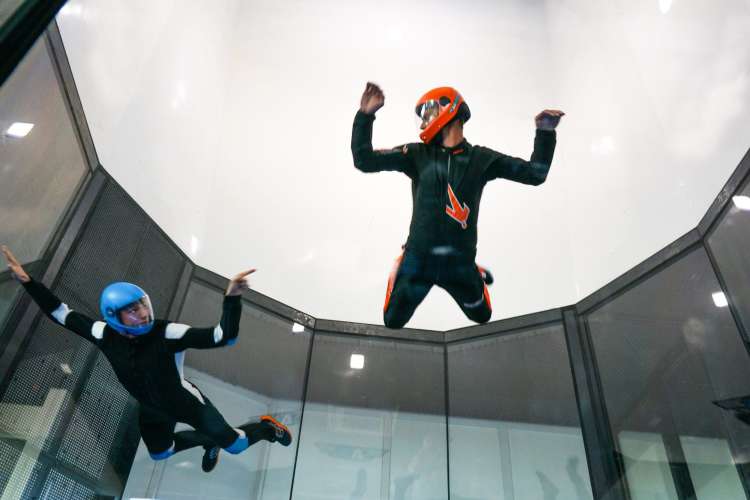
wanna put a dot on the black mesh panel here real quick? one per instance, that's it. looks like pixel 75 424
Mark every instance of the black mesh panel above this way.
pixel 90 420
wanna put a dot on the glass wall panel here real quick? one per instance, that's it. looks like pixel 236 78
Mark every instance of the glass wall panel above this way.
pixel 666 350
pixel 730 245
pixel 40 167
pixel 7 8
pixel 514 426
pixel 374 422
pixel 263 373
pixel 9 291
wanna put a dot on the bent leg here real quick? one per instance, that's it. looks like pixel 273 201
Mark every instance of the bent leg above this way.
pixel 157 432
pixel 210 427
pixel 467 287
pixel 407 288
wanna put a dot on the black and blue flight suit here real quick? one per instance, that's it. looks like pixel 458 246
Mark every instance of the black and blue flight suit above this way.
pixel 446 186
pixel 150 367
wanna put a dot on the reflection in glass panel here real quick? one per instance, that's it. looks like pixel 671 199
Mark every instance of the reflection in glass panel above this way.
pixel 666 351
pixel 261 472
pixel 376 431
pixel 9 290
pixel 707 459
pixel 7 9
pixel 263 373
pixel 644 457
pixel 730 245
pixel 514 427
pixel 39 171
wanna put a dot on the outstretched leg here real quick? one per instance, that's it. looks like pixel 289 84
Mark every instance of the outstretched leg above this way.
pixel 157 431
pixel 211 432
pixel 466 283
pixel 407 287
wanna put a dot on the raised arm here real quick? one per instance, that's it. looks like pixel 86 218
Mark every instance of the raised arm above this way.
pixel 181 337
pixel 535 170
pixel 365 159
pixel 54 308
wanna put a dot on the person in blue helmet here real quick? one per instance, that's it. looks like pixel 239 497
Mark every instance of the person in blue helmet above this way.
pixel 147 356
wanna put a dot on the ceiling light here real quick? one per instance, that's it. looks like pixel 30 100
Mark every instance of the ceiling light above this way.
pixel 741 202
pixel 357 362
pixel 19 129
pixel 720 299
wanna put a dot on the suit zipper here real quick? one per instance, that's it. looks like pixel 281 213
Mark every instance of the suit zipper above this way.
pixel 445 194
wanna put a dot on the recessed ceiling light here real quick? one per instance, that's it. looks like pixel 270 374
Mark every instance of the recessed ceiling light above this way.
pixel 357 362
pixel 19 129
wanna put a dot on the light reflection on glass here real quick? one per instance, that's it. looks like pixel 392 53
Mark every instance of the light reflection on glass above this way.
pixel 720 299
pixel 357 361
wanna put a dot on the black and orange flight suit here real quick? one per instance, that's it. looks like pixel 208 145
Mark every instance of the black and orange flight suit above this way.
pixel 446 186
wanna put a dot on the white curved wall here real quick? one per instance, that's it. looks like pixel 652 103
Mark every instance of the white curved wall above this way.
pixel 230 125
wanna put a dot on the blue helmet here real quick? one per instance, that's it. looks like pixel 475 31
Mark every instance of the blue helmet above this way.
pixel 117 296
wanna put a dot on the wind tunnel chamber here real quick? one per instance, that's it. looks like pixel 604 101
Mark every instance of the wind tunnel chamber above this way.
pixel 616 397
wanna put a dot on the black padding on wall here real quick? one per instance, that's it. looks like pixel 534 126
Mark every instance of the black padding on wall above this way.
pixel 120 243
pixel 58 485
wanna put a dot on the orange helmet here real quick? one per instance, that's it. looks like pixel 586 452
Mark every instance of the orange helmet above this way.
pixel 437 108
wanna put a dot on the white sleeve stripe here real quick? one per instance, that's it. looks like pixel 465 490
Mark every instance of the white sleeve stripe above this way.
pixel 175 331
pixel 97 330
pixel 61 313
pixel 218 334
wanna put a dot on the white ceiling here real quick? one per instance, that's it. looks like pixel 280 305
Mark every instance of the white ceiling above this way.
pixel 230 123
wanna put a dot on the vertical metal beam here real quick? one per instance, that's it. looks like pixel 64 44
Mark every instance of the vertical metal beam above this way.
pixel 302 410
pixel 446 388
pixel 605 474
pixel 69 90
pixel 683 483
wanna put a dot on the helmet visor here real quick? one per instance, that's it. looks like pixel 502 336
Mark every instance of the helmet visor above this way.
pixel 138 313
pixel 427 112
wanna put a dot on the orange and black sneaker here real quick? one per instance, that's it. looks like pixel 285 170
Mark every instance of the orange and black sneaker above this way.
pixel 279 432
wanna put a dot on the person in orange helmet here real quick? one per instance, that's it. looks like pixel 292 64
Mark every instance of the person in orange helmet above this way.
pixel 448 175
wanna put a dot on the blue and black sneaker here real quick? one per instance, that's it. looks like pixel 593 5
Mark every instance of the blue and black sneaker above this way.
pixel 210 458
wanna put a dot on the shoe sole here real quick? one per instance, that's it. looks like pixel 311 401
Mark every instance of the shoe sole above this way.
pixel 278 425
